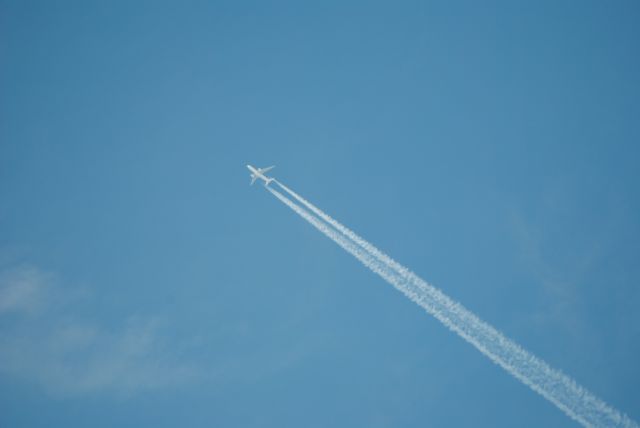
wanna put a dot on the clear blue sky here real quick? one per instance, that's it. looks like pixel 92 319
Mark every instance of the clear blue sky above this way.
pixel 492 148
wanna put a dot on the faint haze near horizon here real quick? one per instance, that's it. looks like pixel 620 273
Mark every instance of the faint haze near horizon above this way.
pixel 490 148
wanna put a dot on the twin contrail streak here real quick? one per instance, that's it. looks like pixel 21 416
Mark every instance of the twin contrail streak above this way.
pixel 558 388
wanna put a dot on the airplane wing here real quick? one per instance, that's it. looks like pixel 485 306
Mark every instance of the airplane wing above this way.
pixel 253 179
pixel 263 170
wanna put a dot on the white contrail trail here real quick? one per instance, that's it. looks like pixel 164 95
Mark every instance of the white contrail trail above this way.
pixel 566 394
pixel 349 233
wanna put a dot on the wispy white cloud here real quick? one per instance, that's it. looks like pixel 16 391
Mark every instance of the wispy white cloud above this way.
pixel 22 289
pixel 67 355
pixel 560 282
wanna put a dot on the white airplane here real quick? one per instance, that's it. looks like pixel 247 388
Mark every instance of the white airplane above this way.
pixel 259 173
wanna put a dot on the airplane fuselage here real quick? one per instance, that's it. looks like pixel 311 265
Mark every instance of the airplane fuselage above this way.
pixel 258 173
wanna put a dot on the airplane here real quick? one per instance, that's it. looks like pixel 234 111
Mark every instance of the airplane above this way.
pixel 259 173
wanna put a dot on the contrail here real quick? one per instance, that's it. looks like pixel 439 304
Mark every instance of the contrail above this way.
pixel 558 388
pixel 349 233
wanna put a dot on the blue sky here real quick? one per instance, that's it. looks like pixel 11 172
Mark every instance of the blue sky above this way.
pixel 491 148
